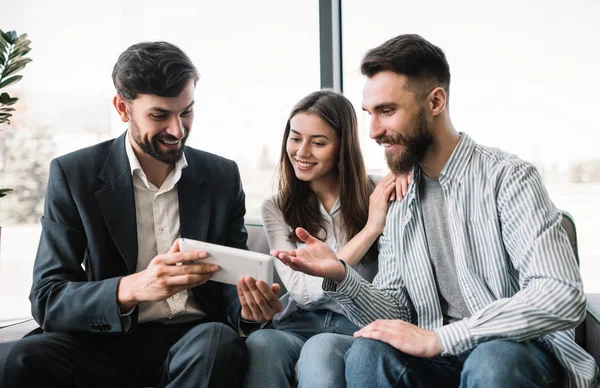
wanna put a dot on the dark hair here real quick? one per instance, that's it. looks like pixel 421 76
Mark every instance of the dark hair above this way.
pixel 297 202
pixel 424 64
pixel 158 68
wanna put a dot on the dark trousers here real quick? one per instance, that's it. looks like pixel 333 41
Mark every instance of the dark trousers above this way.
pixel 208 354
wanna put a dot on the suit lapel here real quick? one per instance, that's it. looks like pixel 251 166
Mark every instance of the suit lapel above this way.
pixel 117 202
pixel 194 202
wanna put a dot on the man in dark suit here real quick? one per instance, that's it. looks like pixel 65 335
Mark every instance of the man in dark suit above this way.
pixel 118 303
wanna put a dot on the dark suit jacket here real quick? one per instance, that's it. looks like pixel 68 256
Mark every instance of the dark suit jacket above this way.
pixel 89 218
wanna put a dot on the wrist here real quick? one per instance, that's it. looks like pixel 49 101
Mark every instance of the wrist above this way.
pixel 372 230
pixel 125 295
pixel 340 273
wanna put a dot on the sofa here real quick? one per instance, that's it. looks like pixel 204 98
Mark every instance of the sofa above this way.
pixel 587 333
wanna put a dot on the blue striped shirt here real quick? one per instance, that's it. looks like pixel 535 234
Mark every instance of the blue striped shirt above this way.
pixel 515 266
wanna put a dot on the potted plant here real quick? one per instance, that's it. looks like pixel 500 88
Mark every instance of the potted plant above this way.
pixel 13 51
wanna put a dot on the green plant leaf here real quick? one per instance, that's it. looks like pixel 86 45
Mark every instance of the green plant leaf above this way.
pixel 22 45
pixel 15 66
pixel 4 192
pixel 10 81
pixel 19 53
pixel 4 36
pixel 12 101
pixel 4 98
pixel 3 109
pixel 11 37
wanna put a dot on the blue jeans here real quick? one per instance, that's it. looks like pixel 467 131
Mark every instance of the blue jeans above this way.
pixel 307 347
pixel 371 363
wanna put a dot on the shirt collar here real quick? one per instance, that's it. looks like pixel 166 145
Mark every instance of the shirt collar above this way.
pixel 336 206
pixel 136 167
pixel 456 166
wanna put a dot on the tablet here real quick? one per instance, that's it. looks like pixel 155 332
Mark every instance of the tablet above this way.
pixel 235 263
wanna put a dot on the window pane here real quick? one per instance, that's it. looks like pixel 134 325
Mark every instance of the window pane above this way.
pixel 256 60
pixel 523 80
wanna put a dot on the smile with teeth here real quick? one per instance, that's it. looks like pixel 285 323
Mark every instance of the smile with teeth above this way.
pixel 305 165
pixel 170 142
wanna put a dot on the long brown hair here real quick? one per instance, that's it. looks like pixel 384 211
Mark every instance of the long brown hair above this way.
pixel 297 202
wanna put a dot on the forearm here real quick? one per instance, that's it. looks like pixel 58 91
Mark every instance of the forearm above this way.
pixel 363 302
pixel 304 289
pixel 353 252
pixel 67 306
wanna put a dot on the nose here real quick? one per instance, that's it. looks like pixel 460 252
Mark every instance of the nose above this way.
pixel 175 128
pixel 375 128
pixel 304 150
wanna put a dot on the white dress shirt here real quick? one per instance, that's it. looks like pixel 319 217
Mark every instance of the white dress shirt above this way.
pixel 157 220
pixel 305 291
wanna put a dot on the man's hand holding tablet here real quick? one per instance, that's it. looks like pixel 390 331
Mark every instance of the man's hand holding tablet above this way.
pixel 251 272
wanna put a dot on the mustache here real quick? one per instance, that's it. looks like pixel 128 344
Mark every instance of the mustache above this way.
pixel 169 137
pixel 397 139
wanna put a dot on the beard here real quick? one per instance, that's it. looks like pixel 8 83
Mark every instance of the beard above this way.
pixel 415 145
pixel 151 146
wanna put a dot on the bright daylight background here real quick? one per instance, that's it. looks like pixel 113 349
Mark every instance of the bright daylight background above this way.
pixel 523 79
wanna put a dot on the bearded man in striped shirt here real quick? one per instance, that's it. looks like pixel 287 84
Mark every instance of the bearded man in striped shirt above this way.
pixel 478 285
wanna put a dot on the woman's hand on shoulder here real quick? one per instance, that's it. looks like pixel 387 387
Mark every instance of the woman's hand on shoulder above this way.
pixel 402 183
pixel 389 188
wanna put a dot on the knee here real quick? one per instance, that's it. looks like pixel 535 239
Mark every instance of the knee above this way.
pixel 322 358
pixel 17 356
pixel 271 346
pixel 368 354
pixel 226 343
pixel 325 347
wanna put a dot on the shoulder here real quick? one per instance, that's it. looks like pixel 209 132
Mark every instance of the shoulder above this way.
pixel 85 159
pixel 269 207
pixel 208 161
pixel 498 164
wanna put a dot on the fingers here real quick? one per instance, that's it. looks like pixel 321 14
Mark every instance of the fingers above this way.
pixel 276 253
pixel 188 280
pixel 304 236
pixel 260 299
pixel 174 247
pixel 287 260
pixel 192 268
pixel 276 288
pixel 181 257
pixel 399 190
pixel 269 294
pixel 242 298
pixel 379 325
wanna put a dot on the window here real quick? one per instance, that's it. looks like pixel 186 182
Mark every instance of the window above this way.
pixel 523 80
pixel 256 61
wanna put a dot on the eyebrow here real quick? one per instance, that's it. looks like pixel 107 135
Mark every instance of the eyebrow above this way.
pixel 312 137
pixel 162 110
pixel 383 105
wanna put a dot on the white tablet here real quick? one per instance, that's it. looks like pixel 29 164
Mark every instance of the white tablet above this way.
pixel 235 263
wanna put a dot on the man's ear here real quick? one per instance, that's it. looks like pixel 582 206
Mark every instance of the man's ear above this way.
pixel 437 101
pixel 121 105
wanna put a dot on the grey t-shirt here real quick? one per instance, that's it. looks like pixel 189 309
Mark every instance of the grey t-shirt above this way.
pixel 435 221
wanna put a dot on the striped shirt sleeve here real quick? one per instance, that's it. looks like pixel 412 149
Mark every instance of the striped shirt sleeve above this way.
pixel 363 302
